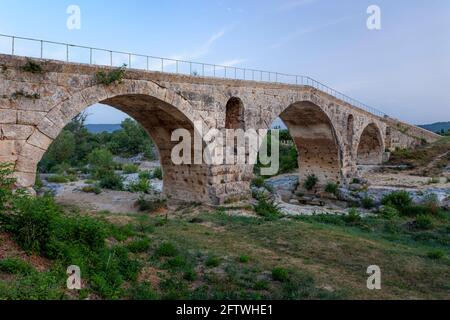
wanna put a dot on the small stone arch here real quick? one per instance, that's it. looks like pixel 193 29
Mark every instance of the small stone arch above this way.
pixel 234 114
pixel 370 147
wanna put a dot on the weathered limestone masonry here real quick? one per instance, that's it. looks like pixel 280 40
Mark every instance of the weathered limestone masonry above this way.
pixel 330 134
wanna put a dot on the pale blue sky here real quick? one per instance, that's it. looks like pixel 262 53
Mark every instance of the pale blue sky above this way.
pixel 402 69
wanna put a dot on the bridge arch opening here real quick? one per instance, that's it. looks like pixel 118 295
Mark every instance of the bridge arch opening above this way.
pixel 158 119
pixel 314 145
pixel 234 117
pixel 370 147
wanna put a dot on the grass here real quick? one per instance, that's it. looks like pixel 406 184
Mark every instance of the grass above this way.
pixel 235 257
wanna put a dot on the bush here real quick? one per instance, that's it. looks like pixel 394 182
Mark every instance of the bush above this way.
pixel 15 266
pixel 190 275
pixel 113 76
pixel 92 189
pixel 212 261
pixel 177 262
pixel 367 202
pixel 100 161
pixel 353 217
pixel 167 249
pixel 244 259
pixel 332 188
pixel 416 210
pixel 258 182
pixel 424 222
pixel 145 175
pixel 32 67
pixel 280 274
pixel 157 174
pixel 130 168
pixel 143 185
pixel 150 205
pixel 139 245
pixel 111 180
pixel 310 182
pixel 388 212
pixel 398 199
pixel 32 222
pixel 60 179
pixel 267 208
pixel 436 254
pixel 143 291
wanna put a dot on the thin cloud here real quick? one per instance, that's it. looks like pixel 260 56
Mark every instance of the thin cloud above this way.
pixel 306 31
pixel 295 4
pixel 232 63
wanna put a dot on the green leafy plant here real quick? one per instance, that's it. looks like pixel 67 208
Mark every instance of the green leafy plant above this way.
pixel 367 202
pixel 110 180
pixel 398 199
pixel 150 205
pixel 32 67
pixel 130 168
pixel 167 249
pixel 353 217
pixel 139 245
pixel 424 222
pixel 92 189
pixel 436 254
pixel 15 266
pixel 388 212
pixel 267 208
pixel 157 174
pixel 332 188
pixel 280 274
pixel 310 182
pixel 113 76
pixel 212 261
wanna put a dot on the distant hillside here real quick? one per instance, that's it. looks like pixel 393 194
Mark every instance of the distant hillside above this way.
pixel 437 127
pixel 97 128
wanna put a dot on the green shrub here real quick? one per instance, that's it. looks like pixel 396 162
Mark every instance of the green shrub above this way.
pixel 139 245
pixel 258 182
pixel 244 259
pixel 111 180
pixel 424 222
pixel 398 199
pixel 143 291
pixel 310 182
pixel 100 161
pixel 177 262
pixel 416 210
pixel 190 274
pixel 92 189
pixel 167 249
pixel 157 174
pixel 15 266
pixel 367 202
pixel 261 285
pixel 353 217
pixel 58 179
pixel 114 76
pixel 130 168
pixel 212 261
pixel 436 254
pixel 145 175
pixel 142 185
pixel 389 212
pixel 332 188
pixel 150 205
pixel 32 67
pixel 267 208
pixel 32 222
pixel 280 274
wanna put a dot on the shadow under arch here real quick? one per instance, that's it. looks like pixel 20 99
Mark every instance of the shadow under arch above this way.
pixel 370 147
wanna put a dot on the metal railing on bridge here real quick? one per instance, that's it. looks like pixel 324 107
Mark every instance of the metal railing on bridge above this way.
pixel 20 46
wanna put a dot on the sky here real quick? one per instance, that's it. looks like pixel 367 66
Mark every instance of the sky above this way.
pixel 402 69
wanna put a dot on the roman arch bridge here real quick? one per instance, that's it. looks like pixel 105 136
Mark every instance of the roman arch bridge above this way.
pixel 333 133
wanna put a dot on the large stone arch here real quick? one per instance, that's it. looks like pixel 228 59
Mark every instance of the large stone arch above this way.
pixel 370 147
pixel 157 109
pixel 316 139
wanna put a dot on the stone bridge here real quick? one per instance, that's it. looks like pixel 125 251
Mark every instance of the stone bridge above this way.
pixel 332 136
